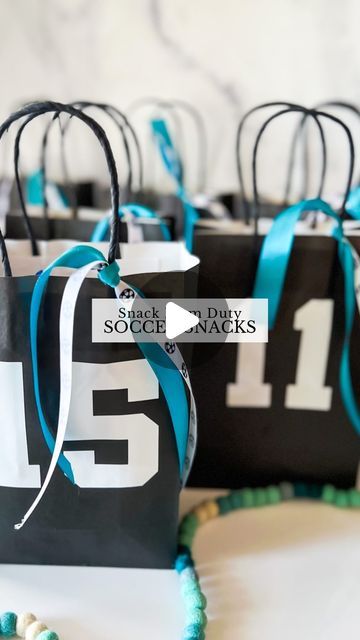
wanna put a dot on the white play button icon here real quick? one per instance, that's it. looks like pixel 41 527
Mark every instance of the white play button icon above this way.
pixel 178 320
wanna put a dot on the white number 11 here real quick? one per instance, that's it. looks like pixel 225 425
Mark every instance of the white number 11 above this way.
pixel 314 320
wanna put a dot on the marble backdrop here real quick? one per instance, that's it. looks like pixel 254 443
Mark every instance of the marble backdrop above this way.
pixel 222 56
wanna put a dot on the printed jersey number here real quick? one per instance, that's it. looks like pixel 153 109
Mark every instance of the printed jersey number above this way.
pixel 141 433
pixel 314 321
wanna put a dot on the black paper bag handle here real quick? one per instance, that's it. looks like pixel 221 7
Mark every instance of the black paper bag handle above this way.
pixel 115 115
pixel 135 140
pixel 36 109
pixel 17 177
pixel 301 131
pixel 296 108
pixel 127 132
pixel 316 114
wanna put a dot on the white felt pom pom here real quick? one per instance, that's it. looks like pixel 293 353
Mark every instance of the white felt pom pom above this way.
pixel 34 629
pixel 24 620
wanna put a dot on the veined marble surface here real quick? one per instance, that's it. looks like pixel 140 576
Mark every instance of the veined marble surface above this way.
pixel 224 57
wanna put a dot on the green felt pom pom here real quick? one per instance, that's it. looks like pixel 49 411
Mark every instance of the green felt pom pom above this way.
pixel 8 624
pixel 247 498
pixel 328 494
pixel 47 635
pixel 354 498
pixel 341 499
pixel 260 497
pixel 189 524
pixel 186 539
pixel 196 616
pixel 273 495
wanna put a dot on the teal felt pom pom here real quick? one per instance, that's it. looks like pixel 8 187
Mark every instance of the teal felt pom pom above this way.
pixel 300 490
pixel 183 561
pixel 47 635
pixel 224 504
pixel 188 575
pixel 315 491
pixel 196 616
pixel 194 632
pixel 190 588
pixel 8 624
pixel 195 600
pixel 236 499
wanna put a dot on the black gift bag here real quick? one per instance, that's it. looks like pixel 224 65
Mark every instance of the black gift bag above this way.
pixel 72 222
pixel 238 204
pixel 273 412
pixel 121 508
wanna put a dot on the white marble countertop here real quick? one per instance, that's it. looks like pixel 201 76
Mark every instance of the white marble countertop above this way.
pixel 279 573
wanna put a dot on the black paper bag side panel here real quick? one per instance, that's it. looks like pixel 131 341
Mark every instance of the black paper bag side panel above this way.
pixel 73 229
pixel 133 527
pixel 241 446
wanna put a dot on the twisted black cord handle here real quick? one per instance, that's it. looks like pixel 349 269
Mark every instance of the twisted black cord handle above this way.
pixel 337 104
pixel 40 108
pixel 123 118
pixel 114 114
pixel 314 113
pixel 26 218
pixel 85 104
pixel 265 105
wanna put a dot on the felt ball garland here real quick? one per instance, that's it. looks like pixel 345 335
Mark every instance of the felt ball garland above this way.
pixel 194 599
pixel 27 626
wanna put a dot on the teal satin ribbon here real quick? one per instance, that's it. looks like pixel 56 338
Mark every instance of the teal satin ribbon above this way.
pixel 34 190
pixel 270 278
pixel 169 377
pixel 171 160
pixel 173 388
pixel 138 211
pixel 353 203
